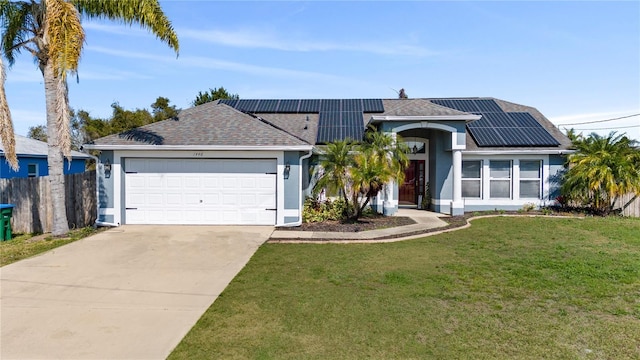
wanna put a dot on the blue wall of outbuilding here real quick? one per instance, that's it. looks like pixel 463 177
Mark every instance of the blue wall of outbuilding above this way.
pixel 77 166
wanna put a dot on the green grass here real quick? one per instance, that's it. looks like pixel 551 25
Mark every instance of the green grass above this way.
pixel 525 288
pixel 22 246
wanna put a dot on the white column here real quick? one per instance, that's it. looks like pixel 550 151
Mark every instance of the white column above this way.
pixel 457 207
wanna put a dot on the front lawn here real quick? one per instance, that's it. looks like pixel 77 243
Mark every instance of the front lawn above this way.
pixel 504 288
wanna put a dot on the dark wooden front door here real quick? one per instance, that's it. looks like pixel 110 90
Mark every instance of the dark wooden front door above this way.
pixel 413 185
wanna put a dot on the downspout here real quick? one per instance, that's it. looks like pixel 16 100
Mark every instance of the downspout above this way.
pixel 98 166
pixel 304 157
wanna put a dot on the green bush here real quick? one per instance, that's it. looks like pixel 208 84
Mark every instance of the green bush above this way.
pixel 318 211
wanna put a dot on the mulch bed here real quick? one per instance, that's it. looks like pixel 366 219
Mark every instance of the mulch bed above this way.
pixel 364 224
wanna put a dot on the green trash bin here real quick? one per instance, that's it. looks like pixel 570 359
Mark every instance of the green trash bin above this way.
pixel 6 210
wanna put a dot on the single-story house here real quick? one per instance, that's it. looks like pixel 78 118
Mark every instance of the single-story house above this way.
pixel 249 161
pixel 32 160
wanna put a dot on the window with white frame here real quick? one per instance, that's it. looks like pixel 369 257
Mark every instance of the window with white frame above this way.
pixel 530 179
pixel 471 178
pixel 32 170
pixel 500 179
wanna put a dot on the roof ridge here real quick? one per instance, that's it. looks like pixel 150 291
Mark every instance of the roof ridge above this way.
pixel 269 123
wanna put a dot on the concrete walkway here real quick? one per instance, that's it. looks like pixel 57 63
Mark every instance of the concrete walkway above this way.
pixel 131 292
pixel 425 220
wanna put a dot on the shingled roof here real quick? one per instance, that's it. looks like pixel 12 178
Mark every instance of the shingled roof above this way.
pixel 208 124
pixel 217 123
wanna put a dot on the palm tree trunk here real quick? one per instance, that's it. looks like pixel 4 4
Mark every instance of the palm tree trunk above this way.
pixel 54 156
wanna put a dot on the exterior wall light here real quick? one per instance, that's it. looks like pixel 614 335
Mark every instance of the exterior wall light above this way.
pixel 107 169
pixel 287 169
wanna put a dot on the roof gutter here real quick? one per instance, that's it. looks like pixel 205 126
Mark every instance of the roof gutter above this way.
pixel 524 152
pixel 380 118
pixel 199 147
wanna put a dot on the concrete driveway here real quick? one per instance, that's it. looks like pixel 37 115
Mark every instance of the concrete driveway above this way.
pixel 131 292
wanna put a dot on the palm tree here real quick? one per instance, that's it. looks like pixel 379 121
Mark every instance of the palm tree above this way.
pixel 50 30
pixel 602 169
pixel 369 176
pixel 336 163
pixel 359 171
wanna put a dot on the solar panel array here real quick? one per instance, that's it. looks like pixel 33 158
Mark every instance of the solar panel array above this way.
pixel 306 105
pixel 340 125
pixel 500 128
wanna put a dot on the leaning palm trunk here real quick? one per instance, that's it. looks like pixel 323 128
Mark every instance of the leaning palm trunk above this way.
pixel 55 153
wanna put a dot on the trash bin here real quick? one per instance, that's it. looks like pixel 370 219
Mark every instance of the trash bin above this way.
pixel 6 210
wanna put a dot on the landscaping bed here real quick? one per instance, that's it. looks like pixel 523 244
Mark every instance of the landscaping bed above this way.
pixel 363 224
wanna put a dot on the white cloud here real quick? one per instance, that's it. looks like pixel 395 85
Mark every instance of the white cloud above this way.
pixel 212 63
pixel 263 40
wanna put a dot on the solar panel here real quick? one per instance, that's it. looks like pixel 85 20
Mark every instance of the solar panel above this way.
pixel 499 119
pixel 514 136
pixel 372 105
pixel 247 105
pixel 524 119
pixel 486 137
pixel 266 106
pixel 541 137
pixel 465 105
pixel 309 106
pixel 487 105
pixel 229 102
pixel 352 105
pixel 288 106
pixel 330 105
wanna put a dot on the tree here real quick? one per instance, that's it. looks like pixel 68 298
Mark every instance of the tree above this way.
pixel 38 132
pixel 602 169
pixel 162 110
pixel 51 31
pixel 213 95
pixel 359 171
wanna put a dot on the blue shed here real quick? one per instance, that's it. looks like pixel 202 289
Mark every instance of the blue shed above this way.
pixel 32 158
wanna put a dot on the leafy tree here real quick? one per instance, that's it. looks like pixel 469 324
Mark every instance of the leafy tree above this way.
pixel 51 31
pixel 602 169
pixel 213 95
pixel 162 110
pixel 38 133
pixel 359 171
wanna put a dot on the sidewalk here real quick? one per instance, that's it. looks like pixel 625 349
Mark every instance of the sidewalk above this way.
pixel 425 220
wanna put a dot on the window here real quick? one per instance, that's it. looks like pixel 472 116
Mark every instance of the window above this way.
pixel 32 170
pixel 500 179
pixel 530 178
pixel 471 179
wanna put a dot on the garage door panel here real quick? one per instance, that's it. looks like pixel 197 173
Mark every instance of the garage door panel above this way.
pixel 200 191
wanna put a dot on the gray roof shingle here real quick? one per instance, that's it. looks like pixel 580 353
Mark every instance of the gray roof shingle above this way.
pixel 208 124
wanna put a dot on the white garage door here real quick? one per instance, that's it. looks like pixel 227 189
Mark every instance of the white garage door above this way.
pixel 202 191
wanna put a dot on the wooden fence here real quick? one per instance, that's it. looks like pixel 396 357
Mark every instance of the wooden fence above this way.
pixel 633 209
pixel 32 199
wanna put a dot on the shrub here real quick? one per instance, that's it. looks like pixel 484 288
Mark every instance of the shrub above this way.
pixel 318 211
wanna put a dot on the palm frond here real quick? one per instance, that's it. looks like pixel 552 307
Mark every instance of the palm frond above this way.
pixel 17 20
pixel 147 13
pixel 7 136
pixel 65 37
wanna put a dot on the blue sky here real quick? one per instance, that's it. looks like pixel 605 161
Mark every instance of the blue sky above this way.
pixel 575 61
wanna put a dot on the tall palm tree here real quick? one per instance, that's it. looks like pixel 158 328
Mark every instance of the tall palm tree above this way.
pixel 50 30
pixel 602 169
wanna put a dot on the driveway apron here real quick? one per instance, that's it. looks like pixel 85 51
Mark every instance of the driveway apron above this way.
pixel 130 292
